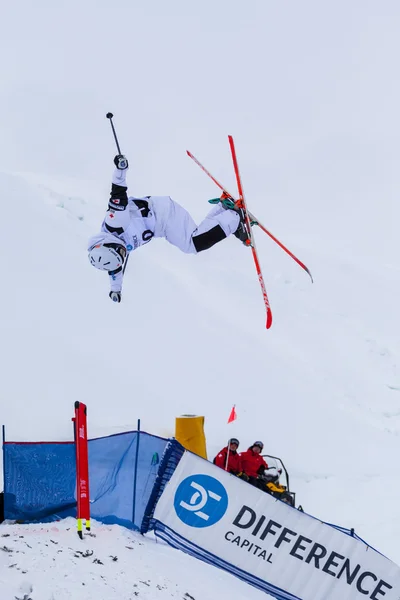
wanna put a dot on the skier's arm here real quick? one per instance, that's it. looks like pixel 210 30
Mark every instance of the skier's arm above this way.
pixel 119 197
pixel 116 281
pixel 117 218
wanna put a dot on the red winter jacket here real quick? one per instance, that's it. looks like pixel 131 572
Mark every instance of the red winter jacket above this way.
pixel 251 462
pixel 234 462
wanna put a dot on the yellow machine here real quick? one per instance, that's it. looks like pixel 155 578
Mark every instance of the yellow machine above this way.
pixel 189 431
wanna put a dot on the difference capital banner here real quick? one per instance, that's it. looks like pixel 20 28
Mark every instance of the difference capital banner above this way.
pixel 291 555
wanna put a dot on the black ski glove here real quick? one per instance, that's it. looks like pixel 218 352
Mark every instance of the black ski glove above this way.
pixel 121 162
pixel 115 296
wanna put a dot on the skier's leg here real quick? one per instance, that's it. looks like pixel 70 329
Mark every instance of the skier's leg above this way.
pixel 174 223
pixel 217 225
pixel 178 227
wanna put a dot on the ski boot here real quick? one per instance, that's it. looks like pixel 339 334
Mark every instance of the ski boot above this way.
pixel 241 232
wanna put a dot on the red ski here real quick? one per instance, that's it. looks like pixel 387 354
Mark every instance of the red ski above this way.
pixel 241 203
pixel 250 220
pixel 253 218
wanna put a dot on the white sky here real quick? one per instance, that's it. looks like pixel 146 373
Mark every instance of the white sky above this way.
pixel 284 77
pixel 309 90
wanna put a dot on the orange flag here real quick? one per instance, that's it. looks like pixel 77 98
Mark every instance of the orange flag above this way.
pixel 233 414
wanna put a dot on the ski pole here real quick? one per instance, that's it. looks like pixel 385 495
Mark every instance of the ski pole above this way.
pixel 110 116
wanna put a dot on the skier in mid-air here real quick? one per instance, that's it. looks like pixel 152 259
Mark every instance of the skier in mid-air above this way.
pixel 131 222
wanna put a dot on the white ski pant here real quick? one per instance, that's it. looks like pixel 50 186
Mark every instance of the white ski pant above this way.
pixel 175 224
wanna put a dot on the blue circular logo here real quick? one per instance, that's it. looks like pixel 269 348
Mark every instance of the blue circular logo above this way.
pixel 200 501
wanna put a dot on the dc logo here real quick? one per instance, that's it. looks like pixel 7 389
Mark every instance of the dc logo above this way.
pixel 200 501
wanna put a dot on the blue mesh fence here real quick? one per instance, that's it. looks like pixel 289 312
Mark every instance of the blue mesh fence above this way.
pixel 40 478
pixel 172 455
pixel 39 481
pixel 151 449
pixel 112 476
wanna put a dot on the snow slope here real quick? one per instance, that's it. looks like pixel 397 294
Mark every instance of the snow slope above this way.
pixel 316 127
pixel 318 388
pixel 49 562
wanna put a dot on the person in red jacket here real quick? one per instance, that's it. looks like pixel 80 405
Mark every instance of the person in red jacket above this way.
pixel 230 461
pixel 253 463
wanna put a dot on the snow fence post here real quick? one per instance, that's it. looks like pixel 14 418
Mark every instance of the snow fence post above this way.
pixel 82 467
pixel 135 473
pixel 4 458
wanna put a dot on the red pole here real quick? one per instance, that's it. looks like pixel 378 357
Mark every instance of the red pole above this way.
pixel 82 467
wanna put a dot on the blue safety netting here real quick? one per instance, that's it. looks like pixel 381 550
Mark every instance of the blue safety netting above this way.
pixel 173 453
pixel 120 483
pixel 40 478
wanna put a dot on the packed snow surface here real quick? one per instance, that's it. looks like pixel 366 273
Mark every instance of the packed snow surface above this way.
pixel 50 562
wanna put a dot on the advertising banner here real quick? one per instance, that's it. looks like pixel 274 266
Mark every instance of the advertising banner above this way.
pixel 289 554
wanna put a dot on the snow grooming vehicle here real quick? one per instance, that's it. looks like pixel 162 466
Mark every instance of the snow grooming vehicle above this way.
pixel 271 477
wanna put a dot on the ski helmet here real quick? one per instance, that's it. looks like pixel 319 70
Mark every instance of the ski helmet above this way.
pixel 259 444
pixel 107 257
pixel 233 441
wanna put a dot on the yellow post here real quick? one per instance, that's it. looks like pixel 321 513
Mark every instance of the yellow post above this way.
pixel 189 431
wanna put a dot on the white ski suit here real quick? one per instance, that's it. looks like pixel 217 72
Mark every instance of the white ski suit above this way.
pixel 136 221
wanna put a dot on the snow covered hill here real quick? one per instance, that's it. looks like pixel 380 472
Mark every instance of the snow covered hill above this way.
pixel 317 388
pixel 49 562
pixel 316 126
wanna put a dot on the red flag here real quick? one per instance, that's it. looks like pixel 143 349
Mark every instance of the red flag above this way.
pixel 233 414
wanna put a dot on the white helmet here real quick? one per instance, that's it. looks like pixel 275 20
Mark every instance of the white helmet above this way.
pixel 107 257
